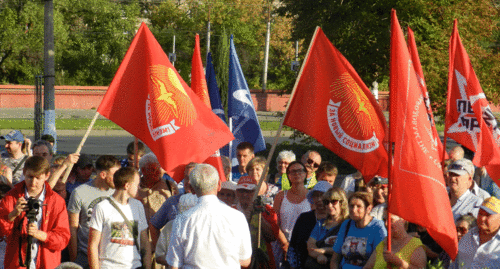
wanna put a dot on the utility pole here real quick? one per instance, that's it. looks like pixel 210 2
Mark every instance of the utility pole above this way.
pixel 296 64
pixel 49 73
pixel 171 56
pixel 266 52
pixel 208 30
pixel 296 50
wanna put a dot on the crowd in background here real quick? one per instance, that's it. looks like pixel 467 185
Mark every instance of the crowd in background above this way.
pixel 108 214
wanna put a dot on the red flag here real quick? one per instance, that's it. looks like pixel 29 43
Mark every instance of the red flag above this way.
pixel 416 175
pixel 469 119
pixel 199 87
pixel 198 81
pixel 149 99
pixel 412 48
pixel 332 104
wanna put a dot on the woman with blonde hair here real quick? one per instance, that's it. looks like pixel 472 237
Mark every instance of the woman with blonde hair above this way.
pixel 324 234
pixel 255 169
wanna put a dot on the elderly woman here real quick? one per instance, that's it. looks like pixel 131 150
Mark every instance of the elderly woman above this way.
pixel 464 224
pixel 358 236
pixel 324 234
pixel 227 193
pixel 255 169
pixel 280 179
pixel 407 251
pixel 153 190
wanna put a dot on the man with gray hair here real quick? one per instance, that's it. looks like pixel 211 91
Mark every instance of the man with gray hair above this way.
pixel 43 149
pixel 211 234
pixel 459 178
pixel 311 160
pixel 153 190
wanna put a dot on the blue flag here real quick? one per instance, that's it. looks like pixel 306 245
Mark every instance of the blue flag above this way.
pixel 246 126
pixel 213 89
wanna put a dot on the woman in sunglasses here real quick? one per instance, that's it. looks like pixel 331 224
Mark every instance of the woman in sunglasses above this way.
pixel 464 224
pixel 324 234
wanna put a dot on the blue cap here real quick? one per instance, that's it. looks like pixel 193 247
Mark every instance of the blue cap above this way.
pixel 15 135
pixel 321 186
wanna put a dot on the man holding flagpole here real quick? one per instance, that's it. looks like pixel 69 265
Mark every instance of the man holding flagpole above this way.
pixel 244 153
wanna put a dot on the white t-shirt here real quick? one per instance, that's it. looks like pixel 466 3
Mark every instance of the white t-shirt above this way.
pixel 209 235
pixel 117 249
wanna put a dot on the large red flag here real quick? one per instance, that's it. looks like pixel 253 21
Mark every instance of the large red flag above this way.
pixel 149 99
pixel 332 104
pixel 198 80
pixel 412 48
pixel 469 119
pixel 418 192
pixel 199 87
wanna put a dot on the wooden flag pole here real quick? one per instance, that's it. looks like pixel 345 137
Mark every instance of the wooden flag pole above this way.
pixel 136 153
pixel 70 167
pixel 273 147
pixel 389 149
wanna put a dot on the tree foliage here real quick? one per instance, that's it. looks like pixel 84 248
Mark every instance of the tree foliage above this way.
pixel 99 33
pixel 245 19
pixel 91 38
pixel 22 38
pixel 361 31
pixel 221 64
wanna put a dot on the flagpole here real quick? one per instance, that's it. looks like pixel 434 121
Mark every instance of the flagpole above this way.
pixel 230 149
pixel 136 153
pixel 389 153
pixel 273 147
pixel 70 167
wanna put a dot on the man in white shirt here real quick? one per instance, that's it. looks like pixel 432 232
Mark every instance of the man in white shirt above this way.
pixel 459 179
pixel 112 244
pixel 211 234
pixel 480 247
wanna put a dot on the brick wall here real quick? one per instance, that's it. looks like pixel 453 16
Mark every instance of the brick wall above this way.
pixel 89 97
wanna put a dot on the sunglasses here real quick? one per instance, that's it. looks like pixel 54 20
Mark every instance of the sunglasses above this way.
pixel 311 162
pixel 462 230
pixel 457 167
pixel 333 202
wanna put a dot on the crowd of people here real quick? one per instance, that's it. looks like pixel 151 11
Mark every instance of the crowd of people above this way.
pixel 129 213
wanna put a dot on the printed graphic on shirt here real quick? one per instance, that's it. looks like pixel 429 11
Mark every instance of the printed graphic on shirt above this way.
pixel 90 209
pixel 330 240
pixel 354 251
pixel 121 234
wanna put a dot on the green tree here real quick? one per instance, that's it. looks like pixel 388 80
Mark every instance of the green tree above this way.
pixel 99 33
pixel 21 40
pixel 221 65
pixel 245 19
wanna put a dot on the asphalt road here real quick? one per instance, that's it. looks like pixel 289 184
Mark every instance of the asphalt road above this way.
pixel 109 145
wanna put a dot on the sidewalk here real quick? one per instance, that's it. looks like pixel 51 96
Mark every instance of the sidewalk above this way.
pixel 28 113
